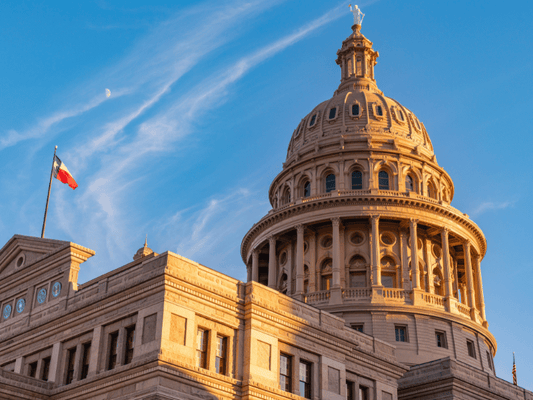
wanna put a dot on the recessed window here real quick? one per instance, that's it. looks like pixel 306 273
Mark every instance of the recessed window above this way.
pixel 283 258
pixel 358 279
pixel 387 281
pixel 45 369
pixel 286 196
pixel 357 180
pixel 440 337
pixel 20 261
pixel 383 179
pixel 358 327
pixel 409 184
pixel 326 272
pixel 313 120
pixel 307 189
pixel 327 242
pixel 330 183
pixel 220 360
pixel 305 379
pixel 400 114
pixel 32 369
pixel 490 360
pixel 379 111
pixel 201 348
pixel 113 350
pixel 130 341
pixel 387 238
pixel 285 375
pixel 363 393
pixel 357 238
pixel 71 357
pixel 350 390
pixel 85 360
pixel 471 348
pixel 356 110
pixel 333 113
pixel 401 333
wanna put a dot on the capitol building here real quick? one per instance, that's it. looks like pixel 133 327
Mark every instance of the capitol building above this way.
pixel 364 283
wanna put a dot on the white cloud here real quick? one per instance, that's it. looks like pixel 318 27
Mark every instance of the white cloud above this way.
pixel 491 206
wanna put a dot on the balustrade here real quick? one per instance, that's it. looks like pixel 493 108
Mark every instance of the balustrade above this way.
pixel 317 297
pixel 434 299
pixel 396 294
pixel 356 293
pixel 463 309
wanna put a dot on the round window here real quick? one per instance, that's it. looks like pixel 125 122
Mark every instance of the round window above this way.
pixel 283 258
pixel 327 242
pixel 357 237
pixel 41 295
pixel 7 311
pixel 436 251
pixel 20 261
pixel 306 247
pixel 21 303
pixel 56 289
pixel 388 239
pixel 419 243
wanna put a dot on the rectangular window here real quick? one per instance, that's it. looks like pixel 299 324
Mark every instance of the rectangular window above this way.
pixel 85 360
pixel 489 361
pixel 45 369
pixel 471 348
pixel 358 327
pixel 130 342
pixel 71 357
pixel 363 393
pixel 440 337
pixel 220 361
pixel 201 348
pixel 32 369
pixel 401 333
pixel 305 379
pixel 113 350
pixel 285 372
pixel 350 394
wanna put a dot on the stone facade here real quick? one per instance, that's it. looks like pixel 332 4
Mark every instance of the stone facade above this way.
pixel 364 283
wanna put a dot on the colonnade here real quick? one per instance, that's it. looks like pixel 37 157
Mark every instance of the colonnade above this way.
pixel 473 293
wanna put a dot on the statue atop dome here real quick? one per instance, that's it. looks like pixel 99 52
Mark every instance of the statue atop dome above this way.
pixel 357 15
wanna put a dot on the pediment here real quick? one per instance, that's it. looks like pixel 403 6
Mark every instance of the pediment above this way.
pixel 21 251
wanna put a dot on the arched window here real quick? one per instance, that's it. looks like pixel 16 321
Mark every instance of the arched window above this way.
pixel 388 272
pixel 326 272
pixel 401 115
pixel 438 282
pixel 286 196
pixel 283 284
pixel 330 183
pixel 306 279
pixel 313 120
pixel 355 109
pixel 379 111
pixel 383 180
pixel 431 191
pixel 333 113
pixel 357 180
pixel 409 184
pixel 307 189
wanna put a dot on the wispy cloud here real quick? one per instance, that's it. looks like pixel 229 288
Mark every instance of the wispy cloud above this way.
pixel 491 206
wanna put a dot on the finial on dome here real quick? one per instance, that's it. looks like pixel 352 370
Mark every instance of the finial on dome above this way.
pixel 357 15
pixel 146 241
pixel 143 251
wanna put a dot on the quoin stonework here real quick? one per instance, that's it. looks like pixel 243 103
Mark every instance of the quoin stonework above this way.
pixel 363 283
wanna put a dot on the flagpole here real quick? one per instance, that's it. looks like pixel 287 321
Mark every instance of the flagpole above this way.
pixel 49 189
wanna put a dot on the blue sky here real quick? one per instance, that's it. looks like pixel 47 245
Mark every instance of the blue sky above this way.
pixel 205 97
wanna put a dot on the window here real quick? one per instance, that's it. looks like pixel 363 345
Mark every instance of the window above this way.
pixel 363 393
pixel 313 120
pixel 388 281
pixel 401 333
pixel 71 357
pixel 333 113
pixel 330 183
pixel 471 348
pixel 326 277
pixel 355 109
pixel 409 185
pixel 357 279
pixel 113 347
pixel 201 348
pixel 220 361
pixel 285 372
pixel 305 379
pixel 85 360
pixel 357 180
pixel 441 339
pixel 358 327
pixel 383 178
pixel 32 369
pixel 287 196
pixel 45 369
pixel 307 189
pixel 490 360
pixel 130 342
pixel 350 395
pixel 379 111
pixel 400 113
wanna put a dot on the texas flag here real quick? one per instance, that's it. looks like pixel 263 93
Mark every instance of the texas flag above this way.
pixel 62 173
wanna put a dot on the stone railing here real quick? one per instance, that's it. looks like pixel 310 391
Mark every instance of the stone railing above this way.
pixel 463 309
pixel 356 293
pixel 317 197
pixel 434 300
pixel 396 294
pixel 317 297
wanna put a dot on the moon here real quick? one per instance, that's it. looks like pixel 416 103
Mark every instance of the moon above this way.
pixel 107 93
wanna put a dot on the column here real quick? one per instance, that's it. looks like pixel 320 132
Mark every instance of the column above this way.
pixel 314 279
pixel 456 276
pixel 255 265
pixel 336 254
pixel 376 265
pixel 406 284
pixel 477 264
pixel 446 261
pixel 300 260
pixel 413 223
pixel 95 347
pixel 469 277
pixel 342 240
pixel 272 262
pixel 430 281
